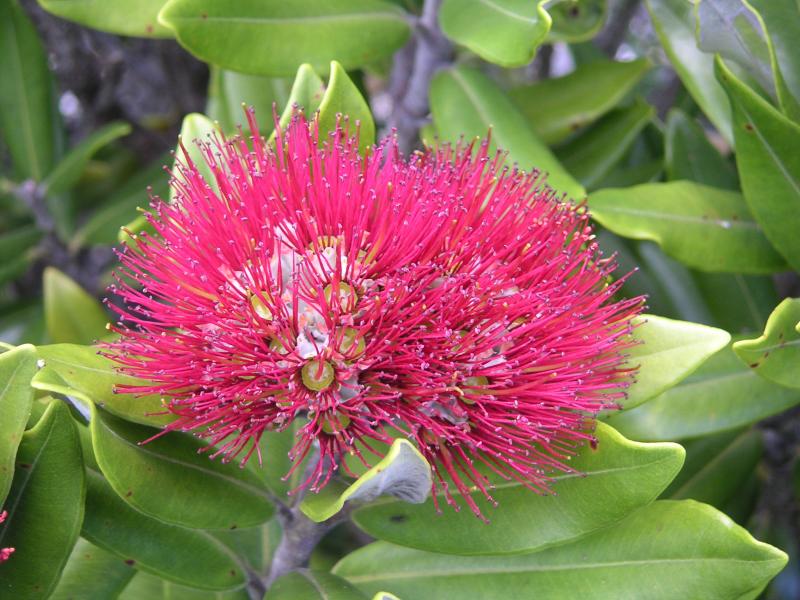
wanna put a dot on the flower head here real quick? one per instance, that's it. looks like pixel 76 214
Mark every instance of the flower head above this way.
pixel 444 295
pixel 5 553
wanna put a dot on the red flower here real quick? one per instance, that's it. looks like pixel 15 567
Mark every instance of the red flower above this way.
pixel 446 295
pixel 5 553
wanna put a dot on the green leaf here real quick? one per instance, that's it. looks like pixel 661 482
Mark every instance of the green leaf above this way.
pixel 732 29
pixel 576 20
pixel 312 585
pixel 481 106
pixel 186 556
pixel 274 449
pixel 664 551
pixel 776 354
pixel 103 226
pixel 717 467
pixel 616 478
pixel 229 90
pixel 783 27
pixel 342 97
pixel 505 32
pixel 18 241
pixel 689 155
pixel 126 17
pixel 91 572
pixel 148 587
pixel 675 25
pixel 668 352
pixel 738 303
pixel 45 506
pixel 27 115
pixel 71 314
pixel 275 37
pixel 403 473
pixel 307 92
pixel 592 155
pixel 722 395
pixel 769 164
pixel 555 108
pixel 703 227
pixel 169 479
pixel 69 170
pixel 17 366
pixel 81 373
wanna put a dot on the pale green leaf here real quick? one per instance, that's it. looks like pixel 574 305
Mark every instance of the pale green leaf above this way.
pixel 71 314
pixel 126 17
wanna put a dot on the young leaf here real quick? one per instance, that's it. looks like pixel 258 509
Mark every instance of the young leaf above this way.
pixel 17 366
pixel 689 155
pixel 769 165
pixel 722 395
pixel 738 303
pixel 342 97
pixel 82 373
pixel 307 92
pixel 592 155
pixel 703 227
pixel 127 17
pixel 674 23
pixel 312 585
pixel 71 314
pixel 465 102
pixel 576 20
pixel 196 129
pixel 668 351
pixel 505 32
pixel 615 479
pixel 555 108
pixel 170 479
pixel 274 37
pixel 403 473
pixel 91 572
pixel 45 506
pixel 27 116
pixel 663 551
pixel 776 354
pixel 229 90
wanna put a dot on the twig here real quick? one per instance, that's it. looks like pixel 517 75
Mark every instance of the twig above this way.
pixel 612 36
pixel 431 51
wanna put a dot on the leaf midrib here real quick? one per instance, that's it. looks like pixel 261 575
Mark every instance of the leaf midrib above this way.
pixel 667 216
pixel 510 13
pixel 281 21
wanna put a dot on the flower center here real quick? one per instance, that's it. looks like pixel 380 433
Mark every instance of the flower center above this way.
pixel 317 375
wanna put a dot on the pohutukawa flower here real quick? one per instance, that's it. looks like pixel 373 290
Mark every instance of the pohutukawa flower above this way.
pixel 5 553
pixel 445 295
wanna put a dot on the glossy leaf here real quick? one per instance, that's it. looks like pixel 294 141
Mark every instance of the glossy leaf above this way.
pixel 149 587
pixel 555 108
pixel 45 506
pixel 17 367
pixel 717 467
pixel 783 26
pixel 738 303
pixel 71 314
pixel 69 170
pixel 18 241
pixel 722 395
pixel 27 122
pixel 769 165
pixel 663 551
pixel 275 37
pixel 674 23
pixel 689 155
pixel 703 227
pixel 343 98
pixel 776 354
pixel 127 17
pixel 168 478
pixel 576 20
pixel 403 473
pixel 230 91
pixel 481 106
pixel 186 556
pixel 732 29
pixel 196 130
pixel 276 464
pixel 504 32
pixel 667 352
pixel 312 585
pixel 592 155
pixel 91 572
pixel 82 373
pixel 306 95
pixel 617 478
